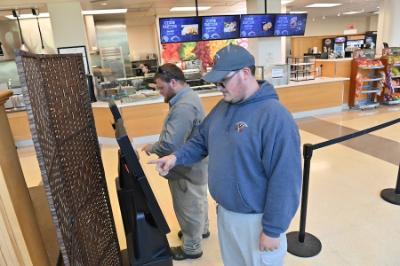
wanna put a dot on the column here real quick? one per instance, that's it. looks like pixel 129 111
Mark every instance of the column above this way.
pixel 17 216
pixel 67 24
pixel 388 22
pixel 267 51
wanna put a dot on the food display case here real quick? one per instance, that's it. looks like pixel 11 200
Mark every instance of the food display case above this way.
pixel 126 89
pixel 302 68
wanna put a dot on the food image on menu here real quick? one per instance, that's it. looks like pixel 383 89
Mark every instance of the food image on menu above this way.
pixel 293 22
pixel 230 26
pixel 192 29
pixel 266 26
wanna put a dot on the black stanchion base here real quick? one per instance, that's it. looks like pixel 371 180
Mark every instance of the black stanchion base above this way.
pixel 309 248
pixel 390 195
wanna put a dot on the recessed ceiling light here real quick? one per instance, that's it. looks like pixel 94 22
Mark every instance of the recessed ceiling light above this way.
pixel 28 16
pixel 325 5
pixel 353 12
pixel 104 11
pixel 285 2
pixel 103 4
pixel 298 12
pixel 189 8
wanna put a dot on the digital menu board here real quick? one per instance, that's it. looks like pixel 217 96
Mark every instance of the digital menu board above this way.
pixel 181 29
pixel 220 27
pixel 252 26
pixel 290 24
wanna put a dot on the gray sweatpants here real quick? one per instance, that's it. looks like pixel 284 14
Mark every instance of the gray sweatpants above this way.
pixel 239 236
pixel 191 209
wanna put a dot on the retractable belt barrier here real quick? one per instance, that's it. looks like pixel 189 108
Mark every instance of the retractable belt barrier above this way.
pixel 304 244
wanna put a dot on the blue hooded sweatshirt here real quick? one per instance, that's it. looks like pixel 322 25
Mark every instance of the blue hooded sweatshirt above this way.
pixel 254 158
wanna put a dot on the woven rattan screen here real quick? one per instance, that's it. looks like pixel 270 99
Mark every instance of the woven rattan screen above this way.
pixel 68 152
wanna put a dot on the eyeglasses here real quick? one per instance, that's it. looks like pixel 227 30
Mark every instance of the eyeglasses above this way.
pixel 225 81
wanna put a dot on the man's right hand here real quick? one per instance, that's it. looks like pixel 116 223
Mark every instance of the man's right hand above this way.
pixel 164 164
pixel 147 149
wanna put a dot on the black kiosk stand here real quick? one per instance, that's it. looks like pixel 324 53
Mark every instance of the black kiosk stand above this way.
pixel 144 224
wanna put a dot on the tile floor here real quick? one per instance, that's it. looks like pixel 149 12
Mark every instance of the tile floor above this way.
pixel 356 227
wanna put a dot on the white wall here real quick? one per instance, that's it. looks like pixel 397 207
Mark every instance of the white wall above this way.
pixel 141 41
pixel 336 25
pixel 373 23
pixel 31 35
pixel 67 24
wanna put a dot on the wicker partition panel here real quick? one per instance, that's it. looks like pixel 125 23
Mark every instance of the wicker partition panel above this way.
pixel 64 135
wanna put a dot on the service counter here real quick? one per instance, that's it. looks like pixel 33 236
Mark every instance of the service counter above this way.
pixel 145 117
pixel 336 68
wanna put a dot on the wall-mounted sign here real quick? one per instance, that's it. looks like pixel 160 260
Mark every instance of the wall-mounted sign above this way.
pixel 220 27
pixel 182 29
pixel 290 24
pixel 252 26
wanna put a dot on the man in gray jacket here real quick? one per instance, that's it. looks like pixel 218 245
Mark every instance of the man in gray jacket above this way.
pixel 188 184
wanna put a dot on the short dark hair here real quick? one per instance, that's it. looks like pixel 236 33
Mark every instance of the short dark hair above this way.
pixel 253 70
pixel 168 72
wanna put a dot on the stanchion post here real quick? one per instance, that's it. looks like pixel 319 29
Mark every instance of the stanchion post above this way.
pixel 398 182
pixel 392 195
pixel 300 243
pixel 307 155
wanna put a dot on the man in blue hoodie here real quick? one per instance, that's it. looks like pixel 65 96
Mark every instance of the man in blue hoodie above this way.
pixel 254 167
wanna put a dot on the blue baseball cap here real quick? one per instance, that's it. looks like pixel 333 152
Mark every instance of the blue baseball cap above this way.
pixel 228 59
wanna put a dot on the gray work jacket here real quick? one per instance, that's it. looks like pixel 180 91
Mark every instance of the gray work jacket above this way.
pixel 185 115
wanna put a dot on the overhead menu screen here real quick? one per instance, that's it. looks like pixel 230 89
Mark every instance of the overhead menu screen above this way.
pixel 252 26
pixel 220 27
pixel 182 29
pixel 290 24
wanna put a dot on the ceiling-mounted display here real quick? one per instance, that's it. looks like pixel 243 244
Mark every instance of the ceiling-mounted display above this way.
pixel 181 29
pixel 220 27
pixel 290 24
pixel 259 25
pixel 207 28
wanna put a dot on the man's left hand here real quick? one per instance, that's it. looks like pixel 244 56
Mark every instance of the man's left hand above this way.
pixel 268 243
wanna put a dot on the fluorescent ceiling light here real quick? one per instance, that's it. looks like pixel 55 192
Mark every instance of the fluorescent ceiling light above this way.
pixel 298 12
pixel 353 12
pixel 104 11
pixel 28 16
pixel 285 2
pixel 188 8
pixel 324 5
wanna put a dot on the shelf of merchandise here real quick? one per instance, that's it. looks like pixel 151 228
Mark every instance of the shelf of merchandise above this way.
pixel 367 105
pixel 371 68
pixel 370 91
pixel 366 96
pixel 392 102
pixel 372 79
pixel 391 96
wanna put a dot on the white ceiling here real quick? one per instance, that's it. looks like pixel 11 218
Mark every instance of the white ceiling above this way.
pixel 368 6
pixel 147 8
